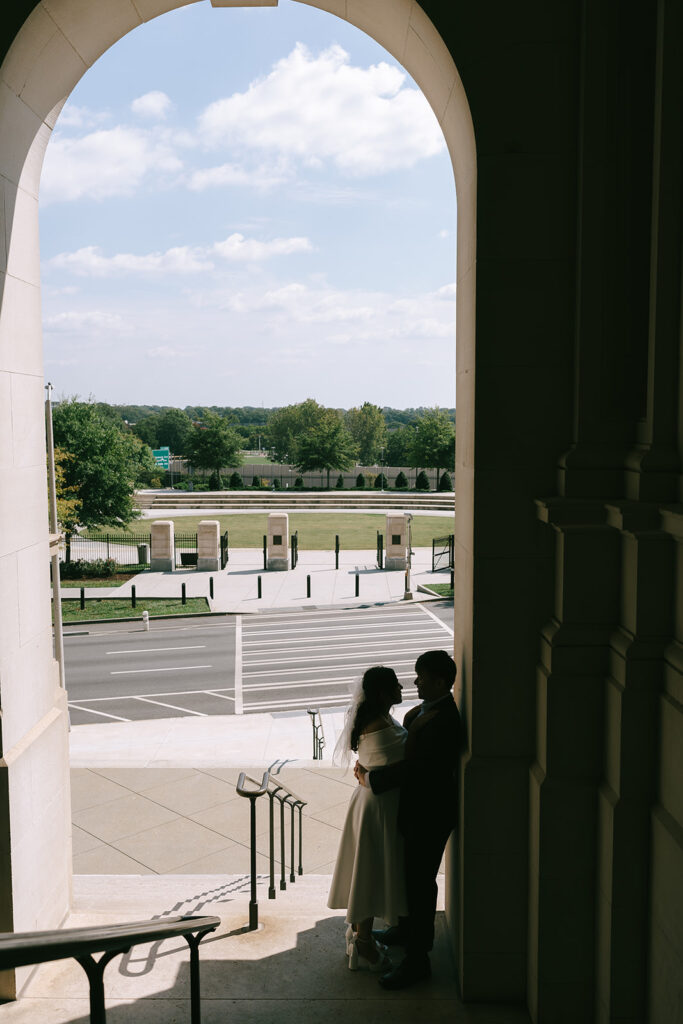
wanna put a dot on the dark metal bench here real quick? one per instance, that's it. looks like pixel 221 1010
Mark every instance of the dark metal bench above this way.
pixel 22 949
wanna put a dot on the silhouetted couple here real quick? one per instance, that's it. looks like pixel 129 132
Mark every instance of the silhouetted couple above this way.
pixel 399 818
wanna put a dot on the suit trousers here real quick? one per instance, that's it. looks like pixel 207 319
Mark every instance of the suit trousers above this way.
pixel 424 849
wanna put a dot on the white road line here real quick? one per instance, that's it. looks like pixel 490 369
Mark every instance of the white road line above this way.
pixel 252 627
pixel 295 685
pixel 316 668
pixel 325 656
pixel 215 693
pixel 398 609
pixel 334 700
pixel 155 650
pixel 368 644
pixel 239 703
pixel 117 718
pixel 428 630
pixel 339 681
pixel 133 696
pixel 144 671
pixel 437 619
pixel 174 707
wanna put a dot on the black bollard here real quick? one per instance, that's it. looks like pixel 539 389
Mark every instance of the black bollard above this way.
pixel 259 588
pixel 82 598
pixel 357 584
pixel 265 552
pixel 336 551
pixel 308 586
pixel 211 587
pixel 452 579
pixel 132 596
pixel 183 594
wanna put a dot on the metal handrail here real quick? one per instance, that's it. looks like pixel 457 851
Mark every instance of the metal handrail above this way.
pixel 284 795
pixel 22 949
pixel 318 733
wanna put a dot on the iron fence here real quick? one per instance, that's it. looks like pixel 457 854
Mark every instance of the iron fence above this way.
pixel 124 548
pixel 443 553
pixel 185 550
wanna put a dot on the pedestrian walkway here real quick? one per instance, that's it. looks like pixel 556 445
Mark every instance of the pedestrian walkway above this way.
pixel 235 588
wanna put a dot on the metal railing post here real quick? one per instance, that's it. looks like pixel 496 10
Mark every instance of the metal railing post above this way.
pixel 253 902
pixel 283 881
pixel 301 837
pixel 292 876
pixel 271 887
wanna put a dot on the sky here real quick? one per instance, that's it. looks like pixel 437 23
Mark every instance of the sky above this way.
pixel 247 207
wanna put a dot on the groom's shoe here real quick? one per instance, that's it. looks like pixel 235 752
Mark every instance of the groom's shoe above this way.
pixel 393 936
pixel 409 972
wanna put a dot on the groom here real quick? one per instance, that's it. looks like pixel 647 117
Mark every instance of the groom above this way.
pixel 428 782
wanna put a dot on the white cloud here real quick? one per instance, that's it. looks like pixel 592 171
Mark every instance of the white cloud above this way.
pixel 318 109
pixel 249 250
pixel 182 259
pixel 90 262
pixel 154 105
pixel 73 116
pixel 447 291
pixel 92 320
pixel 169 352
pixel 109 162
pixel 261 177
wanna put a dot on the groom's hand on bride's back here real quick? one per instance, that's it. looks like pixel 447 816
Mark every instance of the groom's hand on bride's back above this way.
pixel 361 774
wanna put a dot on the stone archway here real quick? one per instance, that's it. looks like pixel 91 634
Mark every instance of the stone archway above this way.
pixel 57 43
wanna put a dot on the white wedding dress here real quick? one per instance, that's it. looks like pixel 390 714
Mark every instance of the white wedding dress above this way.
pixel 368 878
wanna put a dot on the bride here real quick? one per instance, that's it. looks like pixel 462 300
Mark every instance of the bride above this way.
pixel 368 878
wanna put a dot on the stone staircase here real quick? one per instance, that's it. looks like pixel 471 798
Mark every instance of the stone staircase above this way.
pixel 293 968
pixel 292 501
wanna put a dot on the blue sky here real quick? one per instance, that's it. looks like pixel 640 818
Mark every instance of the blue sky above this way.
pixel 249 206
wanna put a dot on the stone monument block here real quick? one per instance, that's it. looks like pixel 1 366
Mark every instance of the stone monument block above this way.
pixel 162 558
pixel 396 544
pixel 208 546
pixel 278 541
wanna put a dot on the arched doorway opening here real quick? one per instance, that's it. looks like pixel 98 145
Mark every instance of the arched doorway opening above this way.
pixel 53 50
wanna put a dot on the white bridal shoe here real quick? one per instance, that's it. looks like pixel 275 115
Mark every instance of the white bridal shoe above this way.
pixel 350 936
pixel 357 961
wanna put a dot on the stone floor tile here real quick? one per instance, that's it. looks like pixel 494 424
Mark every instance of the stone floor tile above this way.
pixel 88 789
pixel 233 819
pixel 167 846
pixel 141 777
pixel 334 816
pixel 105 860
pixel 123 817
pixel 234 859
pixel 191 794
pixel 82 841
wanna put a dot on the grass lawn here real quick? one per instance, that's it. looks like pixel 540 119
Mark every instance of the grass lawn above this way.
pixel 120 607
pixel 103 581
pixel 357 531
pixel 445 589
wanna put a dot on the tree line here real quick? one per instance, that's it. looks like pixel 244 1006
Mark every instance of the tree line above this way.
pixel 102 456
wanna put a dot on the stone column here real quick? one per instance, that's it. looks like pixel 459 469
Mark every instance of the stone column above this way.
pixel 278 535
pixel 163 546
pixel 396 540
pixel 208 546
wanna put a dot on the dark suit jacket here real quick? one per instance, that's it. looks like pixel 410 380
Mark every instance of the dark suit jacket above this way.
pixel 428 777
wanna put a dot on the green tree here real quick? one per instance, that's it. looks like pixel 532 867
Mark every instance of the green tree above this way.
pixel 398 446
pixel 326 445
pixel 368 430
pixel 105 463
pixel 433 441
pixel 173 430
pixel 68 502
pixel 287 425
pixel 147 429
pixel 214 444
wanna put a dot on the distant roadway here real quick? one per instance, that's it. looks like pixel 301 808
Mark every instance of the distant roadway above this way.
pixel 244 664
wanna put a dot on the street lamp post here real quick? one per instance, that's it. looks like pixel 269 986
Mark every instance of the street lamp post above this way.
pixel 54 530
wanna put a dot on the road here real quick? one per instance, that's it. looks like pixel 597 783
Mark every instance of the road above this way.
pixel 245 664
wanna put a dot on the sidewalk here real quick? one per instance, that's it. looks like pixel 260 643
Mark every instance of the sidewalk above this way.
pixel 235 587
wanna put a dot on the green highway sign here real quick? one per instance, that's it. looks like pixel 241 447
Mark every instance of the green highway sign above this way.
pixel 162 457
